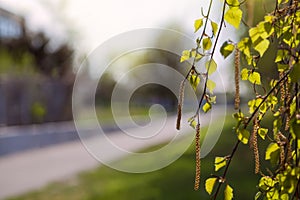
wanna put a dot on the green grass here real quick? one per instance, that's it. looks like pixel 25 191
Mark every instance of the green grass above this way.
pixel 138 114
pixel 172 182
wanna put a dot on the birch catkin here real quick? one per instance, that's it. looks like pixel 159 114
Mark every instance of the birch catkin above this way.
pixel 279 138
pixel 255 146
pixel 198 161
pixel 180 103
pixel 288 98
pixel 237 78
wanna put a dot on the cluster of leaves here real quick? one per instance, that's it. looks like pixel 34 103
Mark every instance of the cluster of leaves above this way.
pixel 281 28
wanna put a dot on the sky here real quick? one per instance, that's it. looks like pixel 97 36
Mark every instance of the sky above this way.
pixel 89 23
pixel 93 21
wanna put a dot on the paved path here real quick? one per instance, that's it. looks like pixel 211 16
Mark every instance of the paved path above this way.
pixel 26 171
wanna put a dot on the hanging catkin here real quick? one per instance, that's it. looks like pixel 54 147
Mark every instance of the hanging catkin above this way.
pixel 237 78
pixel 198 161
pixel 255 145
pixel 180 103
pixel 280 141
pixel 288 98
pixel 282 90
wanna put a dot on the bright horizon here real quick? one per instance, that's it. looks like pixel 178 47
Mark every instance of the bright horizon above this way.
pixel 95 22
pixel 91 24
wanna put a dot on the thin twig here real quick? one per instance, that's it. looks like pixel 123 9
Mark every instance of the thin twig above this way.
pixel 245 126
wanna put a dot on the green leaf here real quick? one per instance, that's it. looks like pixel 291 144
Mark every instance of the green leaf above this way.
pixel 214 27
pixel 261 45
pixel 234 16
pixel 281 55
pixel 209 185
pixel 284 196
pixel 211 85
pixel 212 99
pixel 192 122
pixel 262 132
pixel 251 105
pixel 219 163
pixel 211 66
pixel 266 182
pixel 226 49
pixel 263 108
pixel 186 54
pixel 293 107
pixel 233 2
pixel 244 46
pixel 206 107
pixel 197 55
pixel 272 101
pixel 197 25
pixel 228 193
pixel 206 43
pixel 243 135
pixel 244 74
pixel 254 34
pixel 263 30
pixel 254 78
pixel 267 29
pixel 257 195
pixel 282 67
pixel 194 81
pixel 272 148
pixel 239 116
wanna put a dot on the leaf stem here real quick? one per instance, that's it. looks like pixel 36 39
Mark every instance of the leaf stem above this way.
pixel 211 57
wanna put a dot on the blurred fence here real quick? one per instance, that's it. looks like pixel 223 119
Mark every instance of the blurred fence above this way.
pixel 34 99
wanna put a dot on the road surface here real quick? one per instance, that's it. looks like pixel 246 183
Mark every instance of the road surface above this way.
pixel 33 169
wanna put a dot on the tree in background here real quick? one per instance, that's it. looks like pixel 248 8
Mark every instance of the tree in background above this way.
pixel 36 80
pixel 274 99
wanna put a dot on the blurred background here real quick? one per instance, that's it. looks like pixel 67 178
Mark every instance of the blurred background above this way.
pixel 42 45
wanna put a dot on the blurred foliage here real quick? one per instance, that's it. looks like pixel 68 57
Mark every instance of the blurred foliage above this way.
pixel 38 111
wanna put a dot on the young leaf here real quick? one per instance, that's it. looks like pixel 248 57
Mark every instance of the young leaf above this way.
pixel 257 195
pixel 228 193
pixel 214 27
pixel 219 163
pixel 206 107
pixel 272 148
pixel 234 16
pixel 281 55
pixel 233 2
pixel 262 132
pixel 226 49
pixel 211 85
pixel 197 25
pixel 211 66
pixel 261 45
pixel 186 54
pixel 192 122
pixel 243 135
pixel 194 81
pixel 206 43
pixel 244 74
pixel 244 46
pixel 254 34
pixel 254 78
pixel 197 55
pixel 209 185
pixel 212 99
